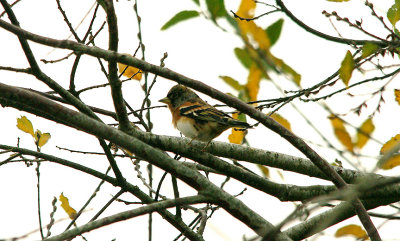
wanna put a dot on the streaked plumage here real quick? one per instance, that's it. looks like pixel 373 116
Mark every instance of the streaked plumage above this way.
pixel 196 119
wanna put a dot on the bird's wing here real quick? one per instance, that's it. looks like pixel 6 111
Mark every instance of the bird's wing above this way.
pixel 205 112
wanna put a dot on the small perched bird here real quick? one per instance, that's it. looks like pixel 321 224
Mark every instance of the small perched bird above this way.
pixel 196 119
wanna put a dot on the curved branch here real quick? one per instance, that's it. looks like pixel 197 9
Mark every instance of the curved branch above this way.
pixel 197 85
pixel 36 104
pixel 227 99
pixel 326 36
pixel 157 206
pixel 177 223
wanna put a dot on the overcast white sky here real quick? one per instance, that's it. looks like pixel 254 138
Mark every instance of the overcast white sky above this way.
pixel 196 49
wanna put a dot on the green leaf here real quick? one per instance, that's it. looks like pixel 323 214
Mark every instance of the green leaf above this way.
pixel 393 14
pixel 216 8
pixel 232 82
pixel 280 64
pixel 274 31
pixel 197 2
pixel 179 17
pixel 346 68
pixel 397 32
pixel 232 22
pixel 296 77
pixel 244 95
pixel 243 57
pixel 368 49
pixel 242 117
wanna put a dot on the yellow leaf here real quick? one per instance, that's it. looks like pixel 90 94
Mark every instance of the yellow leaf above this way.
pixel 246 9
pixel 393 161
pixel 280 174
pixel 25 125
pixel 259 35
pixel 278 118
pixel 397 96
pixel 346 68
pixel 390 144
pixel 341 133
pixel 264 170
pixel 236 137
pixel 351 229
pixel 44 138
pixel 253 82
pixel 67 208
pixel 364 133
pixel 368 49
pixel 130 71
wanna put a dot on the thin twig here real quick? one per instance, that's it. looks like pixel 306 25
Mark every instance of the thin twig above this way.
pixel 107 205
pixel 71 29
pixel 78 214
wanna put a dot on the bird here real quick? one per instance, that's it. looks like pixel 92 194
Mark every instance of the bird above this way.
pixel 195 118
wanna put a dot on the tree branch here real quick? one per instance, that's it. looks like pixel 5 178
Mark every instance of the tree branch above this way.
pixel 326 219
pixel 115 83
pixel 326 36
pixel 227 99
pixel 177 223
pixel 36 104
pixel 157 206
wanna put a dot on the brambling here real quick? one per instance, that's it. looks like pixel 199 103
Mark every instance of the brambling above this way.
pixel 195 118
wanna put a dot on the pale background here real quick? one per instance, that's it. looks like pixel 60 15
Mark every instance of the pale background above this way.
pixel 199 50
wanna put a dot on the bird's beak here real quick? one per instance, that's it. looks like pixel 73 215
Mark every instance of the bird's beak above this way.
pixel 165 100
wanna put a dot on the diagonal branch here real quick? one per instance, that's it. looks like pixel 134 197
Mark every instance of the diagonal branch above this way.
pixel 129 214
pixel 212 92
pixel 177 223
pixel 333 216
pixel 36 104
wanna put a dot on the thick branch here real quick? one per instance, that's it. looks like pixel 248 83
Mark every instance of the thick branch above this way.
pixel 164 72
pixel 326 219
pixel 227 99
pixel 178 223
pixel 36 104
pixel 113 79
